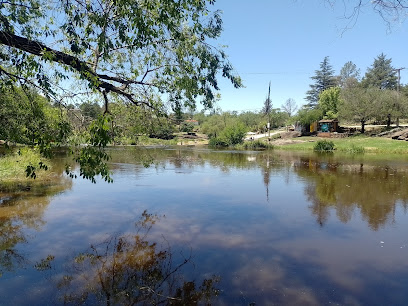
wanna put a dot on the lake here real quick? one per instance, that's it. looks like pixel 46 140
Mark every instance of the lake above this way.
pixel 213 226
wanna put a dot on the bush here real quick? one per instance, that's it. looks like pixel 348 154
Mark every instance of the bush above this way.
pixel 256 144
pixel 324 146
pixel 233 134
pixel 217 142
pixel 187 127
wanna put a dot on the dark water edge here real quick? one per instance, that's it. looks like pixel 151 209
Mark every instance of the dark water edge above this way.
pixel 223 227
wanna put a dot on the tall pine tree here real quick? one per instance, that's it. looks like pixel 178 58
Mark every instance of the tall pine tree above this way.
pixel 323 79
pixel 381 74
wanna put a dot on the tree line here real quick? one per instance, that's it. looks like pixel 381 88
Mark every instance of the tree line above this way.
pixel 134 58
pixel 378 96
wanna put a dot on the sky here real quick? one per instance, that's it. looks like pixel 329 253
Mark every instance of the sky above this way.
pixel 284 42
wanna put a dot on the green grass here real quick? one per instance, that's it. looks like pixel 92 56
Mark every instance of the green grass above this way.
pixel 13 166
pixel 255 145
pixel 357 144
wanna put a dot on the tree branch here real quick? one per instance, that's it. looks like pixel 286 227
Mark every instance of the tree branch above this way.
pixel 98 80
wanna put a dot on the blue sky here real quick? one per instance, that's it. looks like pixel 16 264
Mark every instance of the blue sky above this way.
pixel 285 41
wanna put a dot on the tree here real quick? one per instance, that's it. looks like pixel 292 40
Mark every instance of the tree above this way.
pixel 139 52
pixel 289 107
pixel 307 115
pixel 28 118
pixel 250 120
pixel 359 104
pixel 233 134
pixel 389 10
pixel 391 105
pixel 381 74
pixel 329 102
pixel 267 108
pixel 323 79
pixel 92 110
pixel 347 72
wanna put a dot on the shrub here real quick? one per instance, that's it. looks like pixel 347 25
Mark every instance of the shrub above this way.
pixel 217 142
pixel 324 146
pixel 256 144
pixel 187 127
pixel 356 149
pixel 233 134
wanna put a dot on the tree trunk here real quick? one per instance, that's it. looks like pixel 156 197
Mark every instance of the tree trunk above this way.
pixel 362 126
pixel 388 120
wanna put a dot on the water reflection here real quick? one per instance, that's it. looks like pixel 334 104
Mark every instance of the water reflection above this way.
pixel 22 210
pixel 130 269
pixel 249 217
pixel 374 191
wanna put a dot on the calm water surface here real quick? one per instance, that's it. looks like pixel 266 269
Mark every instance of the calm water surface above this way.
pixel 231 228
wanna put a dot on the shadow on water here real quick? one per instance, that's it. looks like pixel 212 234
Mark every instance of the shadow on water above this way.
pixel 129 269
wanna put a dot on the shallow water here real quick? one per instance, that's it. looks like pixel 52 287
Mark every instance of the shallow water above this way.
pixel 230 227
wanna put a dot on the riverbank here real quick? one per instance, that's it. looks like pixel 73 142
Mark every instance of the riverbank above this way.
pixel 350 144
pixel 13 168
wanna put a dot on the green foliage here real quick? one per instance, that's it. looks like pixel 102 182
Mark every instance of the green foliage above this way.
pixel 161 129
pixel 99 131
pixel 355 149
pixel 381 74
pixel 132 52
pixel 307 116
pixel 323 79
pixel 324 146
pixel 359 104
pixel 110 50
pixel 28 118
pixel 233 134
pixel 93 158
pixel 214 125
pixel 187 127
pixel 256 144
pixel 217 142
pixel 92 110
pixel 329 102
pixel 25 162
pixel 347 72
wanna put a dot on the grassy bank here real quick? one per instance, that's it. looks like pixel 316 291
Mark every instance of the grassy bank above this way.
pixel 13 169
pixel 353 144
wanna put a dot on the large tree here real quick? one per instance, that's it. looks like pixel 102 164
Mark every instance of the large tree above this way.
pixel 142 52
pixel 330 102
pixel 359 104
pixel 289 107
pixel 348 72
pixel 381 74
pixel 323 79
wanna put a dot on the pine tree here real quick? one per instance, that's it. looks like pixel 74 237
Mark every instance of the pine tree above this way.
pixel 349 73
pixel 381 74
pixel 267 108
pixel 324 79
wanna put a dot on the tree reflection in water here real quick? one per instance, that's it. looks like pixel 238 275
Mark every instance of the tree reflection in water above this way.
pixel 20 210
pixel 130 270
pixel 374 191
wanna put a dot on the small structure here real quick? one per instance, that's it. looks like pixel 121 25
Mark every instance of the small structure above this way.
pixel 327 126
pixel 191 121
